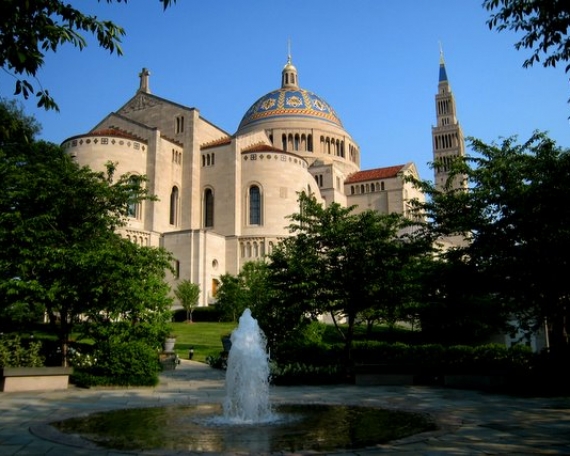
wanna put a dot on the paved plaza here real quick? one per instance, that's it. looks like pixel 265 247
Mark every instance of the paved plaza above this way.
pixel 470 422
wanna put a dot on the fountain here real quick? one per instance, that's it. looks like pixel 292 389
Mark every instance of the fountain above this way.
pixel 245 422
pixel 247 375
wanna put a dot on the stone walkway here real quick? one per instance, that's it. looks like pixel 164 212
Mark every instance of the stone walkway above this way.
pixel 471 423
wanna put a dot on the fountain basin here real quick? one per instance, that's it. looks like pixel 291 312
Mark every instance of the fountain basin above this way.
pixel 200 428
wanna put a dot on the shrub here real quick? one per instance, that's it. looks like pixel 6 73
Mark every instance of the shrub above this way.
pixel 209 314
pixel 306 374
pixel 374 352
pixel 121 364
pixel 217 362
pixel 14 353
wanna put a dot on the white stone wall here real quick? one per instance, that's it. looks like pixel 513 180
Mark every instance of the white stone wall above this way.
pixel 175 147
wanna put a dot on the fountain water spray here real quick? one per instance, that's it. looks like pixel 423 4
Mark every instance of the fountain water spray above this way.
pixel 248 424
pixel 247 375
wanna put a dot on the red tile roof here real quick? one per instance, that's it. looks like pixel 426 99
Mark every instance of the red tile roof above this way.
pixel 217 142
pixel 113 131
pixel 374 174
pixel 261 147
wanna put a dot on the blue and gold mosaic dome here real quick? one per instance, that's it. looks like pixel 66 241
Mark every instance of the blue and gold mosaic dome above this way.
pixel 289 103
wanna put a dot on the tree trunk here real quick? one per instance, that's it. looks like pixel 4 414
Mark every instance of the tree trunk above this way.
pixel 348 361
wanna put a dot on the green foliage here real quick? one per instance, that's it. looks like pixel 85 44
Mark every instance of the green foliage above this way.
pixel 14 353
pixel 217 361
pixel 121 364
pixel 307 374
pixel 544 24
pixel 515 261
pixel 210 314
pixel 187 294
pixel 249 289
pixel 455 309
pixel 61 253
pixel 345 265
pixel 29 30
pixel 435 358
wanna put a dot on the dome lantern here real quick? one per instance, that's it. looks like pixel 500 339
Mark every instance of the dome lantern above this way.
pixel 289 77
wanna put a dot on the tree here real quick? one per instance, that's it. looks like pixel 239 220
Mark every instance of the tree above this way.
pixel 187 294
pixel 28 30
pixel 344 264
pixel 545 24
pixel 249 289
pixel 61 254
pixel 518 229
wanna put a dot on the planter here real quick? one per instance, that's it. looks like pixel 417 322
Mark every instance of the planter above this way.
pixel 169 344
pixel 34 378
pixel 168 361
pixel 227 343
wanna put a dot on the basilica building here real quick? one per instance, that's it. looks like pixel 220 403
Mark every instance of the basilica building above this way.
pixel 223 198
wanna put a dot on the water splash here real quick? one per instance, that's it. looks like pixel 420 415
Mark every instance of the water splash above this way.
pixel 247 375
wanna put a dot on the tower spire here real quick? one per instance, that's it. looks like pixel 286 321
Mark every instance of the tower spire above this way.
pixel 442 72
pixel 447 135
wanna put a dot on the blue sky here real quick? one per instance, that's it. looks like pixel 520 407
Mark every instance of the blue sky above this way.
pixel 375 61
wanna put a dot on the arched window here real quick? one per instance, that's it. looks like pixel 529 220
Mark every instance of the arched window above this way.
pixel 134 209
pixel 254 205
pixel 174 206
pixel 215 287
pixel 208 208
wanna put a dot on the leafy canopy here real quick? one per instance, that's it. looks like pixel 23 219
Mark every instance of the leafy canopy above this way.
pixel 31 29
pixel 517 228
pixel 61 254
pixel 544 23
pixel 187 294
pixel 345 264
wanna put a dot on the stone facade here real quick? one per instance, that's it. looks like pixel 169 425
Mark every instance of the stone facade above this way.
pixel 223 198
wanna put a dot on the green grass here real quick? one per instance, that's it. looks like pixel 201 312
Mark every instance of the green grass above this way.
pixel 204 337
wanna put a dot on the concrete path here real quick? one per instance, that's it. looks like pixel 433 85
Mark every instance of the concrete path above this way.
pixel 471 423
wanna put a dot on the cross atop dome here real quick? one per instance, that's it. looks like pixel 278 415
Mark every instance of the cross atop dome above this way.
pixel 289 77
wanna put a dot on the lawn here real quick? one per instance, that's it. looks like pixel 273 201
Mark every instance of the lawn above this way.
pixel 204 337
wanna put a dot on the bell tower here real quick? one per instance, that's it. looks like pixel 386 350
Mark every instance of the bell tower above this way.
pixel 447 136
